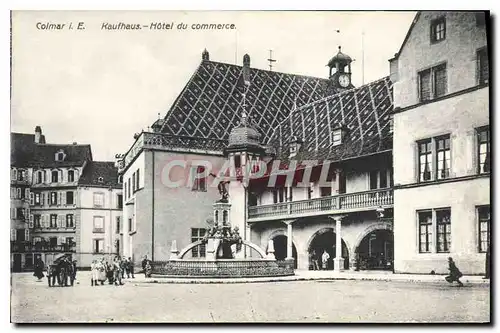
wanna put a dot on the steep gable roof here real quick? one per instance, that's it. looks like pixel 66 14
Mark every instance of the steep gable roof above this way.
pixel 95 170
pixel 25 152
pixel 211 102
pixel 364 112
pixel 408 34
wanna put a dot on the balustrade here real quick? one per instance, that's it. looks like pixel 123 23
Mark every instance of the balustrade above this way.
pixel 361 200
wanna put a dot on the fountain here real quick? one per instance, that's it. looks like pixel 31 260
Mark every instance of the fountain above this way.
pixel 223 254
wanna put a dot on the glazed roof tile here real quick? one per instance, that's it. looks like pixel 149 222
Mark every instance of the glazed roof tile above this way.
pixel 210 104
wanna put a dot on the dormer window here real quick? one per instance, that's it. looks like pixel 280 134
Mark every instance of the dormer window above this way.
pixel 337 137
pixel 100 180
pixel 60 156
pixel 295 145
pixel 55 176
pixel 120 179
pixel 71 176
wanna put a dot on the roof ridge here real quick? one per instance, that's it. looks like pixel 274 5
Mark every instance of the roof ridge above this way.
pixel 269 71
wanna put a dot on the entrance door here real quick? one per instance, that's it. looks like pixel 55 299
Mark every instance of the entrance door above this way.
pixel 17 263
pixel 376 251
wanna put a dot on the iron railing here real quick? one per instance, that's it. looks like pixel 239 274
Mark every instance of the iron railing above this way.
pixel 324 205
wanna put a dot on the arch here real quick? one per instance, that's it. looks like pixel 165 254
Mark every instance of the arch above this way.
pixel 319 244
pixel 280 233
pixel 368 230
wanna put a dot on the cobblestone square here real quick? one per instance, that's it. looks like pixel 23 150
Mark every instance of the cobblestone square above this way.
pixel 288 301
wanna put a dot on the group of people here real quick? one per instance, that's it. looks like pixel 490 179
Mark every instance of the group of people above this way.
pixel 315 259
pixel 113 272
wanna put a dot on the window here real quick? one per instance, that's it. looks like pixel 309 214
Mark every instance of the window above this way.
pixel 39 177
pixel 310 191
pixel 21 174
pixel 129 225
pixel 337 137
pixel 71 176
pixel 196 235
pixel 133 183
pixel 137 180
pixel 428 169
pixel 37 221
pixel 98 224
pixel 98 245
pixel 53 221
pixel 279 195
pixel 117 231
pixel 53 198
pixel 60 156
pixel 69 242
pixel 69 221
pixel 129 193
pixel 98 199
pixel 199 184
pixel 425 160
pixel 484 227
pixel 69 198
pixel 443 230
pixel 36 199
pixel 432 82
pixel 119 201
pixel 53 242
pixel 483 147
pixel 55 176
pixel 125 190
pixel 425 231
pixel 20 213
pixel 443 157
pixel 438 29
pixel 120 179
pixel 483 67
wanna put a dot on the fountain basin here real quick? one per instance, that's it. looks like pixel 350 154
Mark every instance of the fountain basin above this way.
pixel 223 268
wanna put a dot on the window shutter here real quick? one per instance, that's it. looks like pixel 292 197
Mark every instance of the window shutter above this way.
pixel 76 219
pixel 61 240
pixel 26 235
pixel 31 221
pixel 63 198
pixel 44 176
pixel 27 194
pixel 59 202
pixel 44 221
pixel 61 179
pixel 60 221
pixel 18 193
pixel 14 174
pixel 32 199
pixel 13 235
pixel 29 176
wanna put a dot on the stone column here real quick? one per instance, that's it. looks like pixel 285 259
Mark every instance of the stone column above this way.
pixel 338 261
pixel 289 239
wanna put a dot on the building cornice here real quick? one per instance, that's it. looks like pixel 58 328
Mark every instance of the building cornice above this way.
pixel 438 99
pixel 441 181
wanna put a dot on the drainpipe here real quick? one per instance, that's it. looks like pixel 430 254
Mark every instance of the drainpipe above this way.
pixel 153 207
pixel 245 219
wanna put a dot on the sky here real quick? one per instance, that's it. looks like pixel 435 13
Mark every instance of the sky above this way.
pixel 99 87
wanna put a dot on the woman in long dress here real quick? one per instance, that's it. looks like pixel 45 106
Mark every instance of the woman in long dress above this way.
pixel 94 271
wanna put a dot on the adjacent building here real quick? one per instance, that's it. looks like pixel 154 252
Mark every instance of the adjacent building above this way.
pixel 49 185
pixel 442 144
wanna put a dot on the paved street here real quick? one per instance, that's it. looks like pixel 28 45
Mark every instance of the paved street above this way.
pixel 290 301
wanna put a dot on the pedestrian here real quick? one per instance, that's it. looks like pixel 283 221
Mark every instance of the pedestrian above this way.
pixel 143 264
pixel 131 267
pixel 123 266
pixel 109 273
pixel 487 263
pixel 324 259
pixel 73 273
pixel 94 271
pixel 455 273
pixel 148 270
pixel 39 267
pixel 118 272
pixel 315 261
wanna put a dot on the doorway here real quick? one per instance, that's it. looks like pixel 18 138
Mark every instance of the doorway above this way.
pixel 326 241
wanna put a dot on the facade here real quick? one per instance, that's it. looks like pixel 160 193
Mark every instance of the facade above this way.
pixel 47 200
pixel 330 121
pixel 442 144
pixel 100 210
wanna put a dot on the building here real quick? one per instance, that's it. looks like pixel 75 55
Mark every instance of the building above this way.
pixel 100 209
pixel 329 119
pixel 442 144
pixel 49 185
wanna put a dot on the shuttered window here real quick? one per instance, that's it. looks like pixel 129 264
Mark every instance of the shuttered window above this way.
pixel 432 83
pixel 483 67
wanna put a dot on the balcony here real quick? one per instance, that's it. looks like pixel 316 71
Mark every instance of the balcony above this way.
pixel 27 247
pixel 160 141
pixel 338 204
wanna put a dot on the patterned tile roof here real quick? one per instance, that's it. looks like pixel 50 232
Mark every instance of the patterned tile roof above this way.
pixel 210 104
pixel 363 111
pixel 25 152
pixel 95 170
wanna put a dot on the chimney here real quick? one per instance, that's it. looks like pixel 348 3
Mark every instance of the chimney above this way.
pixel 38 134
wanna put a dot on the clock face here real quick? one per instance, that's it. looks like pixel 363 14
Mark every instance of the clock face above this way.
pixel 344 80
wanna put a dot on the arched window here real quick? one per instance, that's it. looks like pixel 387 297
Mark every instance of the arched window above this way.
pixel 224 217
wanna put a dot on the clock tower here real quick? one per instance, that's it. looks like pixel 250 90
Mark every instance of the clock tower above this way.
pixel 340 71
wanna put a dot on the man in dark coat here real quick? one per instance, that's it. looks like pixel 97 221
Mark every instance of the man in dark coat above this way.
pixel 455 273
pixel 144 263
pixel 39 267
